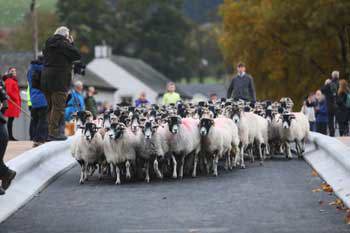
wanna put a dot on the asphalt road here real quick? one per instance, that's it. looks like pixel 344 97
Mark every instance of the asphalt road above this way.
pixel 277 198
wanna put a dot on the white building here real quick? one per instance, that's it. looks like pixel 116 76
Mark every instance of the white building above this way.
pixel 130 76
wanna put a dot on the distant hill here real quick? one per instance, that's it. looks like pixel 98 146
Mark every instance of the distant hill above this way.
pixel 12 12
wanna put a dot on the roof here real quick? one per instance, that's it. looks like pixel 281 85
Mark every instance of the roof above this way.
pixel 91 79
pixel 146 74
pixel 20 60
pixel 204 89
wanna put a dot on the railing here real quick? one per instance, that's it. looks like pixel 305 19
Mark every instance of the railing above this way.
pixel 330 158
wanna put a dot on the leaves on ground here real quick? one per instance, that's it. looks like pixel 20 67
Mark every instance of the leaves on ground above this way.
pixel 326 188
pixel 314 173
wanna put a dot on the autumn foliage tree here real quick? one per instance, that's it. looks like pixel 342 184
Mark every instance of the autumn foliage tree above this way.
pixel 290 47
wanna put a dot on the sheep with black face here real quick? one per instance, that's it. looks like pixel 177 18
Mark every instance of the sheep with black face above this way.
pixel 153 146
pixel 183 140
pixel 295 128
pixel 219 138
pixel 89 151
pixel 120 146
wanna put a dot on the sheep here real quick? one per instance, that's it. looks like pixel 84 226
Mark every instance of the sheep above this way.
pixel 80 118
pixel 274 125
pixel 219 138
pixel 89 149
pixel 153 146
pixel 252 129
pixel 295 128
pixel 183 139
pixel 120 146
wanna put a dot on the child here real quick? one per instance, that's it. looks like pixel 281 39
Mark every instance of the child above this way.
pixel 171 97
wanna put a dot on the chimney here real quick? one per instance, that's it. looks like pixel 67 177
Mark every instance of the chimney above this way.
pixel 103 51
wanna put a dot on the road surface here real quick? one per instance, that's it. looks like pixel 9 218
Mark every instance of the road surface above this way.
pixel 276 197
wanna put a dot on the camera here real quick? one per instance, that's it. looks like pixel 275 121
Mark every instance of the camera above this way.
pixel 79 68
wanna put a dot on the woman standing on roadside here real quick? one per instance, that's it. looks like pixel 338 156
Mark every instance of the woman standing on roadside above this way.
pixel 14 101
pixel 342 108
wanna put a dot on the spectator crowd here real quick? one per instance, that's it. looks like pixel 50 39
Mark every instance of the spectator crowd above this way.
pixel 328 108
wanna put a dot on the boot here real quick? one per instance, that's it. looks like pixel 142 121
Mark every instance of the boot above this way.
pixel 7 178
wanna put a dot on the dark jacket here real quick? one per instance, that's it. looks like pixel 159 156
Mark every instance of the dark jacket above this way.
pixel 342 114
pixel 90 105
pixel 37 97
pixel 242 87
pixel 330 91
pixel 321 112
pixel 59 54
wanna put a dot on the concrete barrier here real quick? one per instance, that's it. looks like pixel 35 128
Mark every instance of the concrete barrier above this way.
pixel 331 159
pixel 35 169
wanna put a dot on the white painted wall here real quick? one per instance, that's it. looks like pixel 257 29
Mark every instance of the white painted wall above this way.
pixel 127 84
pixel 103 96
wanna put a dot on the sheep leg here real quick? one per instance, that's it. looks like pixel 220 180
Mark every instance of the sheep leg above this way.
pixel 194 173
pixel 242 158
pixel 82 167
pixel 100 171
pixel 156 169
pixel 147 171
pixel 174 166
pixel 117 172
pixel 127 168
pixel 215 164
pixel 182 167
pixel 251 153
pixel 86 169
pixel 287 151
pixel 234 154
pixel 226 161
pixel 207 164
pixel 260 154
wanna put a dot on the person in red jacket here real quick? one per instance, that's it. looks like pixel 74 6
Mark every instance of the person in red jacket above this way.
pixel 14 101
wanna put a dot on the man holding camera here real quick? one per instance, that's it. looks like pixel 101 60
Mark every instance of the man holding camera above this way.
pixel 59 55
pixel 6 174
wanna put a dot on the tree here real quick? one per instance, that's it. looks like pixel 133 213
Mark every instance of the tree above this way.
pixel 291 47
pixel 89 20
pixel 21 38
pixel 155 31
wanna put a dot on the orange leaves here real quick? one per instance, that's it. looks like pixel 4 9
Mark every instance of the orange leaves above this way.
pixel 326 188
pixel 314 173
pixel 347 217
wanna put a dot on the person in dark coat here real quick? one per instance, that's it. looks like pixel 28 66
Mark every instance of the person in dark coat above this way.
pixel 6 174
pixel 14 103
pixel 59 55
pixel 342 111
pixel 242 85
pixel 38 108
pixel 90 102
pixel 321 112
pixel 330 90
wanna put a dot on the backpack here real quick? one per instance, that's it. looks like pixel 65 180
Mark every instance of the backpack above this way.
pixel 347 102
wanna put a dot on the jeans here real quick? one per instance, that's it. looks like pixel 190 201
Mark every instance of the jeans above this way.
pixel 312 126
pixel 10 127
pixel 331 127
pixel 56 104
pixel 3 145
pixel 343 128
pixel 321 127
pixel 40 125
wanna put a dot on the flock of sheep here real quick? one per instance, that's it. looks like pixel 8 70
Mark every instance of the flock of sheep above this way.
pixel 185 139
